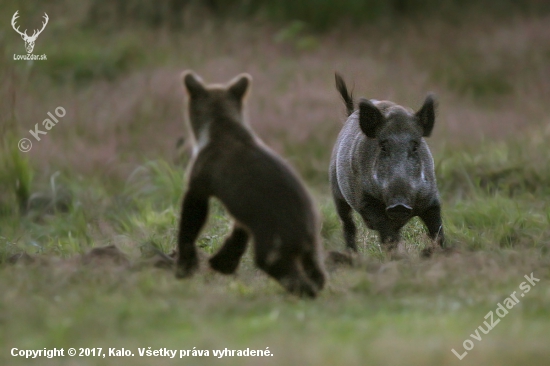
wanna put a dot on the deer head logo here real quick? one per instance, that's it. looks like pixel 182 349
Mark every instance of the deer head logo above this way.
pixel 29 40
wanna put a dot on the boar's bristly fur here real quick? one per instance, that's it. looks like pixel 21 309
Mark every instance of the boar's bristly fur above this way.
pixel 261 191
pixel 382 168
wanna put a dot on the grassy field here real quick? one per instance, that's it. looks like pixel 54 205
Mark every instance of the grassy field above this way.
pixel 109 173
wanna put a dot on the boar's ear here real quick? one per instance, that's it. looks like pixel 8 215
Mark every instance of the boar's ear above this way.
pixel 370 118
pixel 239 86
pixel 193 84
pixel 426 115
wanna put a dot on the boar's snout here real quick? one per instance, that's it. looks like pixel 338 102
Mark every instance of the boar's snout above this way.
pixel 399 211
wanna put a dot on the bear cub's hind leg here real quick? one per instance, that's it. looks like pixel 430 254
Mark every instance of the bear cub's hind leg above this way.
pixel 227 259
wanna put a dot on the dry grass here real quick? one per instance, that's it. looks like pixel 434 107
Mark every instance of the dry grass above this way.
pixel 408 311
pixel 139 113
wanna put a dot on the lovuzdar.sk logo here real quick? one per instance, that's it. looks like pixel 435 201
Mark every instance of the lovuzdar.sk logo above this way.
pixel 29 40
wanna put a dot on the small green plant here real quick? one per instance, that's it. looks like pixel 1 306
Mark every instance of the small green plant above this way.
pixel 156 181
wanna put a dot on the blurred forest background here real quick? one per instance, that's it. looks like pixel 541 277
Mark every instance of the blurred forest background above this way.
pixel 111 172
pixel 114 66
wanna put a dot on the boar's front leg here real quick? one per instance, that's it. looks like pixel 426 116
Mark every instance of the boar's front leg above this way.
pixel 432 219
pixel 345 212
pixel 374 215
pixel 389 236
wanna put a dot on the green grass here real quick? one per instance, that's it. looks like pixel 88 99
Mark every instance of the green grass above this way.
pixel 423 308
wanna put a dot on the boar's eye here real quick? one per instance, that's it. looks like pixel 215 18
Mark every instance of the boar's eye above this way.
pixel 384 146
pixel 414 147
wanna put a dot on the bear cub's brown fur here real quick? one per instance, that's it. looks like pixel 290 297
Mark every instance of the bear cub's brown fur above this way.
pixel 263 194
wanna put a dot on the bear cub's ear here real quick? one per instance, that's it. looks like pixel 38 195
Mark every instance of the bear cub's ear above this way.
pixel 240 86
pixel 193 84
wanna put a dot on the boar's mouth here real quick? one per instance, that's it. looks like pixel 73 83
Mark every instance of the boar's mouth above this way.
pixel 399 211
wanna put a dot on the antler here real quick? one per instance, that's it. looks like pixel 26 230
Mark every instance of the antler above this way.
pixel 34 35
pixel 13 19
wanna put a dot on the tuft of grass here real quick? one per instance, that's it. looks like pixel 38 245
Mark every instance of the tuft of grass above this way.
pixel 16 175
pixel 157 182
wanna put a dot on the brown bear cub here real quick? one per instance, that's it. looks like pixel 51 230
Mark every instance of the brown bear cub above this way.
pixel 264 195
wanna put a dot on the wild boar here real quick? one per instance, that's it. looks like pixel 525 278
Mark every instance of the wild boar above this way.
pixel 382 168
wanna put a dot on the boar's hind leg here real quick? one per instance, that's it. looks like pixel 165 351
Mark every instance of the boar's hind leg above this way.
pixel 345 212
pixel 193 216
pixel 227 259
pixel 432 219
